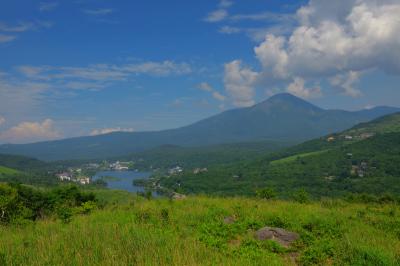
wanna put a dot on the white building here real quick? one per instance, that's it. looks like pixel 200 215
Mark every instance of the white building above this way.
pixel 175 170
pixel 84 181
pixel 64 177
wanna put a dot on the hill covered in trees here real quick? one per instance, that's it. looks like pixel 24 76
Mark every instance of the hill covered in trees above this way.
pixel 362 159
pixel 21 169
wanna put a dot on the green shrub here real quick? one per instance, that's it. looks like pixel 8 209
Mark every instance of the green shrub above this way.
pixel 87 207
pixel 318 253
pixel 266 193
pixel 19 203
pixel 301 196
pixel 64 213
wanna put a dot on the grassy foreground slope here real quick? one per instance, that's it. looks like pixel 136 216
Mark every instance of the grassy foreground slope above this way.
pixel 193 232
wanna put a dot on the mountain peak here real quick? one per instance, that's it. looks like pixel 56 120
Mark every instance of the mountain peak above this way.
pixel 286 100
pixel 284 96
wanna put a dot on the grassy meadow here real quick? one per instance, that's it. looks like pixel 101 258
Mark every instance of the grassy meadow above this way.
pixel 131 230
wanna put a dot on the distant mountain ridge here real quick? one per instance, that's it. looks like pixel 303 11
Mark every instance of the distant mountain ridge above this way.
pixel 282 117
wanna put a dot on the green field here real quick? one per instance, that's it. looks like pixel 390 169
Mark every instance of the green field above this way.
pixel 7 171
pixel 297 156
pixel 193 232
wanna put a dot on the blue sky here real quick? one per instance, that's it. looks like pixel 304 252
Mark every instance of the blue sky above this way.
pixel 72 68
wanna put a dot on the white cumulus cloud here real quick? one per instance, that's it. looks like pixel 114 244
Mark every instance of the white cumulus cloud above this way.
pixel 334 40
pixel 239 83
pixel 110 130
pixel 297 87
pixel 30 132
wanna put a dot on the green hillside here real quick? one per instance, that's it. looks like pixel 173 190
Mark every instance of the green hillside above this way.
pixel 15 168
pixel 21 162
pixel 201 231
pixel 363 159
pixel 7 171
pixel 191 157
pixel 385 124
pixel 382 125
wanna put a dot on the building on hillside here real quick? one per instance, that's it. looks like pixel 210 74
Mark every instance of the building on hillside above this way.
pixel 175 170
pixel 84 180
pixel 119 166
pixel 348 137
pixel 64 176
pixel 200 170
pixel 359 170
pixel 330 139
pixel 367 135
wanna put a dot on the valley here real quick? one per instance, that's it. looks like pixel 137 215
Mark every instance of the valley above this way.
pixel 210 203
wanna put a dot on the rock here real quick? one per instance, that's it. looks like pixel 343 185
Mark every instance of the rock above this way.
pixel 283 237
pixel 177 196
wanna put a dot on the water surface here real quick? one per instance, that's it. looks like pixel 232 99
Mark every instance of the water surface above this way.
pixel 122 180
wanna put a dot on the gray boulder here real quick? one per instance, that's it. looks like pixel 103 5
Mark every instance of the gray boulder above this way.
pixel 283 237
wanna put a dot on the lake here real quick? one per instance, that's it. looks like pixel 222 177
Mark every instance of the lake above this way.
pixel 122 180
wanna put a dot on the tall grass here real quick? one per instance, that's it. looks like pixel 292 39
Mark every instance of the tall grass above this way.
pixel 192 232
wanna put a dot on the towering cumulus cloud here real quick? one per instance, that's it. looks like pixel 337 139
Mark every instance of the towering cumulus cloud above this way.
pixel 239 83
pixel 337 40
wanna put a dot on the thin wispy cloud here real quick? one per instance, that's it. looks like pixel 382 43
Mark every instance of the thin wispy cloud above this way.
pixel 10 32
pixel 220 14
pixel 99 11
pixel 230 30
pixel 19 27
pixel 257 34
pixel 28 87
pixel 217 15
pixel 204 86
pixel 7 38
pixel 264 16
pixel 225 3
pixel 47 6
pixel 27 95
pixel 106 72
pixel 276 23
